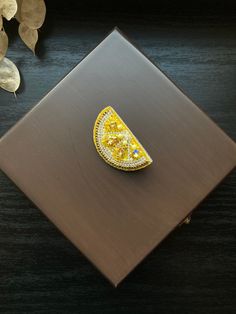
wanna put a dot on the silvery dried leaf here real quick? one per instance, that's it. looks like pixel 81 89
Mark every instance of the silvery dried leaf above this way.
pixel 28 35
pixel 33 13
pixel 1 22
pixel 3 44
pixel 8 8
pixel 9 75
pixel 18 13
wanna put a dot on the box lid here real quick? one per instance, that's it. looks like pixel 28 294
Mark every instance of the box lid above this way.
pixel 116 218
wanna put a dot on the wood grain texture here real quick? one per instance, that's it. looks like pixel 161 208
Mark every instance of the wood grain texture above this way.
pixel 116 218
pixel 194 270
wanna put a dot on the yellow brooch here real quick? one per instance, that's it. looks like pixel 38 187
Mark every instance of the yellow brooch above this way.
pixel 116 144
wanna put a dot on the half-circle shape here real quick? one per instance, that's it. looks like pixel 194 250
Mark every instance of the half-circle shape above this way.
pixel 116 144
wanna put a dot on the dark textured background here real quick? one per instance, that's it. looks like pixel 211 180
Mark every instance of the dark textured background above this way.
pixel 194 270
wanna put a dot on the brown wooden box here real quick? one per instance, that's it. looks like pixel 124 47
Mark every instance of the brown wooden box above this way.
pixel 116 218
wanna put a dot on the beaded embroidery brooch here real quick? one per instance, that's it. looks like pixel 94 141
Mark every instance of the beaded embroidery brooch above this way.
pixel 116 144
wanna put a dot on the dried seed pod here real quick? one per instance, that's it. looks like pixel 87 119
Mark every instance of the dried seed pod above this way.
pixel 28 35
pixel 33 13
pixel 8 8
pixel 9 75
pixel 3 44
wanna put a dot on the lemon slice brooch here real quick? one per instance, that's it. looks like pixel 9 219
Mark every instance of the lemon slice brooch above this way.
pixel 116 144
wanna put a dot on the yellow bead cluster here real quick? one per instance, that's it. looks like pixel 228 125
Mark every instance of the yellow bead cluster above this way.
pixel 116 144
pixel 117 138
